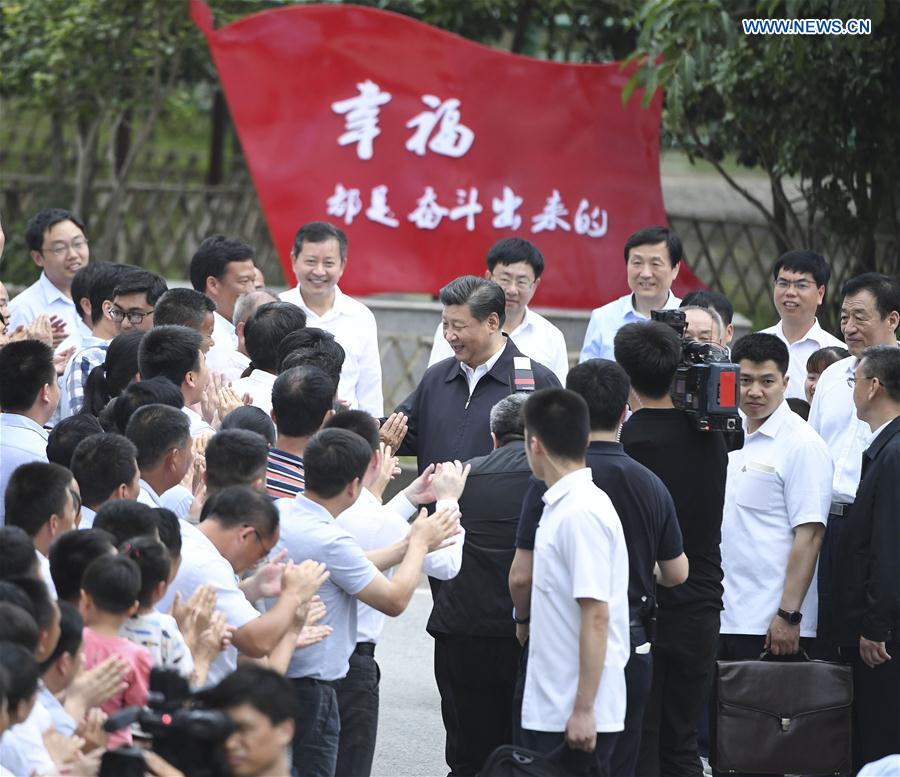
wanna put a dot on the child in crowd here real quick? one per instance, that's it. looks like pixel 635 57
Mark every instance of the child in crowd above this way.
pixel 816 364
pixel 110 590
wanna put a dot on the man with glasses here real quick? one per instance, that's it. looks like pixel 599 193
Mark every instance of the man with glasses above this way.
pixel 516 265
pixel 801 278
pixel 134 299
pixel 57 244
pixel 867 588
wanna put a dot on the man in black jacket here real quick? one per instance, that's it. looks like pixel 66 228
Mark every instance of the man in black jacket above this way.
pixel 471 621
pixel 448 413
pixel 867 585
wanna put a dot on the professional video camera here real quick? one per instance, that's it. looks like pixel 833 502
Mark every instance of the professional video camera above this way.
pixel 707 382
pixel 188 737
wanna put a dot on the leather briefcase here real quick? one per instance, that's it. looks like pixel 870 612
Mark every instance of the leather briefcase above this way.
pixel 781 717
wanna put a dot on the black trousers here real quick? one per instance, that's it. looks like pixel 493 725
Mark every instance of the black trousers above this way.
pixel 638 682
pixel 825 647
pixel 575 762
pixel 357 695
pixel 876 706
pixel 684 659
pixel 317 727
pixel 476 678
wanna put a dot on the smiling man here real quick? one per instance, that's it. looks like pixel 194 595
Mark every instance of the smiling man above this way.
pixel 652 261
pixel 516 265
pixel 801 278
pixel 319 259
pixel 57 244
pixel 777 495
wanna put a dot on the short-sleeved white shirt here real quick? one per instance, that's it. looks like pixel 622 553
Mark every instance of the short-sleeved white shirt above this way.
pixel 535 337
pixel 22 749
pixel 778 481
pixel 579 553
pixel 800 352
pixel 224 357
pixel 833 416
pixel 22 441
pixel 201 563
pixel 376 526
pixel 42 297
pixel 353 326
pixel 258 384
pixel 609 319
pixel 309 531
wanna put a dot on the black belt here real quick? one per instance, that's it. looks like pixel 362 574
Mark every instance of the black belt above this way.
pixel 840 509
pixel 314 681
pixel 364 648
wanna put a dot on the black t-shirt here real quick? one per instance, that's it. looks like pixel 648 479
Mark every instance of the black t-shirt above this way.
pixel 693 466
pixel 645 509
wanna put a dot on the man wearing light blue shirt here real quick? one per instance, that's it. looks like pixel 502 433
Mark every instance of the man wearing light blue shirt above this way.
pixel 29 395
pixel 652 261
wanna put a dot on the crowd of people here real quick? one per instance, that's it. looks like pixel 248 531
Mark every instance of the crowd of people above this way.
pixel 194 486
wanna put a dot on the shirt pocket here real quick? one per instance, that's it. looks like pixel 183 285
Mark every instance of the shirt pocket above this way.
pixel 758 487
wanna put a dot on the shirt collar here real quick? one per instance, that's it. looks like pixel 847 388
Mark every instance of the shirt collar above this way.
pixel 50 292
pixel 221 322
pixel 606 448
pixel 527 323
pixel 150 491
pixel 337 307
pixel 487 366
pixel 671 303
pixel 19 421
pixel 773 423
pixel 881 436
pixel 312 509
pixel 565 484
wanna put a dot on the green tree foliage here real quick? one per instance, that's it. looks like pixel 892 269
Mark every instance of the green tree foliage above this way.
pixel 819 109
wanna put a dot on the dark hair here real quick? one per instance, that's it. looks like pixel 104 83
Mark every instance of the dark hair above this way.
pixel 45 220
pixel 71 628
pixel 183 307
pixel 43 606
pixel 17 558
pixel 559 418
pixel 138 281
pixel 14 594
pixel 320 232
pixel 301 396
pixel 884 288
pixel 804 261
pixel 650 353
pixel 883 362
pixel 703 298
pixel 799 406
pixel 70 553
pixel 36 491
pixel 126 518
pixel 649 236
pixel 240 505
pixel 512 250
pixel 170 352
pixel 235 457
pixel 267 691
pixel 251 418
pixel 17 625
pixel 113 583
pixel 154 562
pixel 101 464
pixel 169 529
pixel 153 391
pixel 482 296
pixel 96 282
pixel 604 386
pixel 22 672
pixel 506 419
pixel 312 347
pixel 213 257
pixel 266 328
pixel 825 357
pixel 359 422
pixel 110 379
pixel 760 347
pixel 334 458
pixel 67 434
pixel 156 429
pixel 26 366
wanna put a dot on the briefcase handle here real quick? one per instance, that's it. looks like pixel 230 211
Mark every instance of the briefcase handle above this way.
pixel 802 656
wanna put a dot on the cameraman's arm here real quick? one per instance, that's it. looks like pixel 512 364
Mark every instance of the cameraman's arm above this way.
pixel 673 571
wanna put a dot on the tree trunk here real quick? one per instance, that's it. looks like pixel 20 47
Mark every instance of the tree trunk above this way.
pixel 218 126
pixel 521 31
pixel 122 143
pixel 85 167
pixel 780 215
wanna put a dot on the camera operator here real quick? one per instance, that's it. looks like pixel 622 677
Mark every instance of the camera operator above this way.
pixel 692 464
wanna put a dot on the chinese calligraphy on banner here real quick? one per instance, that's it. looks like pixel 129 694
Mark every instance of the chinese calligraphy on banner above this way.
pixel 427 149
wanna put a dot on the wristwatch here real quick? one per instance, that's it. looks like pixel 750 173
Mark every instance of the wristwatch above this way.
pixel 521 621
pixel 791 616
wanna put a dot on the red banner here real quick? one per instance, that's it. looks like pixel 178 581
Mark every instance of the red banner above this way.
pixel 426 149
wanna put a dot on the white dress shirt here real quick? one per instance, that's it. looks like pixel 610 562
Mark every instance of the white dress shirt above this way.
pixel 224 357
pixel 609 319
pixel 258 384
pixel 535 337
pixel 198 425
pixel 44 565
pixel 779 480
pixel 833 416
pixel 21 441
pixel 22 749
pixel 87 518
pixel 579 553
pixel 800 352
pixel 376 526
pixel 147 495
pixel 353 326
pixel 42 297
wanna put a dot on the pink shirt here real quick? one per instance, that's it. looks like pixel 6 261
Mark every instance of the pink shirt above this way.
pixel 97 648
